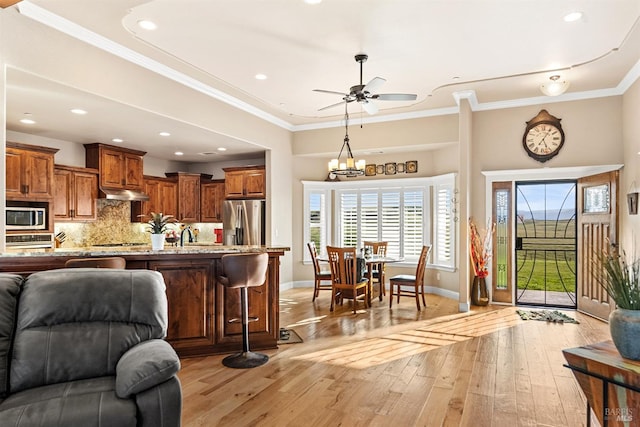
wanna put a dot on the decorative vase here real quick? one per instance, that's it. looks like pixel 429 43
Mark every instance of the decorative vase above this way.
pixel 479 291
pixel 157 242
pixel 625 330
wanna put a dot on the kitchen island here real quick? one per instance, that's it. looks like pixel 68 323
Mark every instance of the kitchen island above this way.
pixel 199 307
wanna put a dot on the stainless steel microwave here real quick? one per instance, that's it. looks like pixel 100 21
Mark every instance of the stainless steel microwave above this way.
pixel 26 218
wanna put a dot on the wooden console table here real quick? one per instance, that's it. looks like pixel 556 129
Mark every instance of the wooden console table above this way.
pixel 610 382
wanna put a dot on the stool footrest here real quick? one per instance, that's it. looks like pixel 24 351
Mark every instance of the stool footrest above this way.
pixel 239 320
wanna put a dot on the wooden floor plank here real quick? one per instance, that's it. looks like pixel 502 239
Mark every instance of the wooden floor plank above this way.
pixel 400 367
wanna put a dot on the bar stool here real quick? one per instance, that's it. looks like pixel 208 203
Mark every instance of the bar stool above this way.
pixel 103 262
pixel 244 271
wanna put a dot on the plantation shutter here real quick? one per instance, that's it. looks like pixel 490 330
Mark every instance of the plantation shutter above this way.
pixel 349 219
pixel 444 225
pixel 390 222
pixel 413 224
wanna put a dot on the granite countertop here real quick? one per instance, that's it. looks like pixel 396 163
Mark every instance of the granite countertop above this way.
pixel 140 250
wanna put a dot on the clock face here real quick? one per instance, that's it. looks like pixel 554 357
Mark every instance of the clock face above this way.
pixel 543 141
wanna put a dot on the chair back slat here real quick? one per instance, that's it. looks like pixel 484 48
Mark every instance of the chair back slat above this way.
pixel 377 248
pixel 314 257
pixel 422 263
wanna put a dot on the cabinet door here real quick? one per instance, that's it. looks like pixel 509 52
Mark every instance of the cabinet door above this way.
pixel 62 194
pixel 112 169
pixel 190 302
pixel 16 166
pixel 189 198
pixel 212 196
pixel 133 171
pixel 169 198
pixel 234 184
pixel 151 189
pixel 85 186
pixel 39 175
pixel 254 184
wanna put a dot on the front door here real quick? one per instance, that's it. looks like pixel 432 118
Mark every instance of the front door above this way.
pixel 545 243
pixel 597 229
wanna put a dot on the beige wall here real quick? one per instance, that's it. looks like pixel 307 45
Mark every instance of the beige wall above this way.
pixel 594 135
pixel 630 182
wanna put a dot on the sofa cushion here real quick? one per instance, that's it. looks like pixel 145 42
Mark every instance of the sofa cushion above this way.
pixel 144 366
pixel 9 290
pixel 86 403
pixel 77 323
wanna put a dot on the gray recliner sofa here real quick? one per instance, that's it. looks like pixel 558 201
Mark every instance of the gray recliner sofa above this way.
pixel 84 347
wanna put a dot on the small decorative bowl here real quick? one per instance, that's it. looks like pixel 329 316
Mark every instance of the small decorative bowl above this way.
pixel 171 240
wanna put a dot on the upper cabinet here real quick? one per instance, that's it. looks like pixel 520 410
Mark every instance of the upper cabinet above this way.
pixel 245 182
pixel 75 194
pixel 163 198
pixel 29 172
pixel 120 168
pixel 211 198
pixel 188 196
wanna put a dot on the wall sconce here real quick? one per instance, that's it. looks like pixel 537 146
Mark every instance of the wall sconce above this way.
pixel 632 203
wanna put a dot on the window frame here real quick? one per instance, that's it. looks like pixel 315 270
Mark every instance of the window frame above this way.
pixel 323 189
pixel 332 191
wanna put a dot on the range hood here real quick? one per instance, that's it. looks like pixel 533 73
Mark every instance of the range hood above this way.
pixel 117 194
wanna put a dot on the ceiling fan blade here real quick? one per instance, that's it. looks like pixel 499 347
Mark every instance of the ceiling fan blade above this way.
pixel 395 97
pixel 331 92
pixel 369 107
pixel 374 84
pixel 333 105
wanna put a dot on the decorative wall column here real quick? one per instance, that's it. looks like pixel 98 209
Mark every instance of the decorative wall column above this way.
pixel 464 100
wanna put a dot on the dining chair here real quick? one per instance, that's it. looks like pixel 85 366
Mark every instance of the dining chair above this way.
pixel 102 262
pixel 345 282
pixel 405 285
pixel 377 270
pixel 318 274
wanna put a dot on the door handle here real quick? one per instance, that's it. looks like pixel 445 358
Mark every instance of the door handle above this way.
pixel 518 243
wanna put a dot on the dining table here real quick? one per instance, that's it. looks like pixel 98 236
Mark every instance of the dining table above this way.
pixel 369 262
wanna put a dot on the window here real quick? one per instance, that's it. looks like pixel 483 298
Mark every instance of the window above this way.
pixel 407 213
pixel 317 220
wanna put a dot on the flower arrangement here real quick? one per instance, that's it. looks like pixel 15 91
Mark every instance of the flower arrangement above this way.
pixel 480 247
pixel 158 222
pixel 621 278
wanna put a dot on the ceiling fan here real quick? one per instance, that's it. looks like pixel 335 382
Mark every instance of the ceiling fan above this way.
pixel 364 93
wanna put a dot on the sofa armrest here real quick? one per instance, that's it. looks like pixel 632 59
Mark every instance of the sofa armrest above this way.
pixel 145 365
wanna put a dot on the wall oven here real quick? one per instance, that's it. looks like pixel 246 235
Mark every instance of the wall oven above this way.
pixel 29 241
pixel 19 218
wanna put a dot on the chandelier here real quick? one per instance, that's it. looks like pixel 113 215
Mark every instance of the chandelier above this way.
pixel 349 167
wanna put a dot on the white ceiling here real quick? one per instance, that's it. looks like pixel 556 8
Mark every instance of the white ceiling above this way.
pixel 500 49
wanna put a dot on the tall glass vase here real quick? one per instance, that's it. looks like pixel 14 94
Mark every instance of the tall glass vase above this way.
pixel 479 291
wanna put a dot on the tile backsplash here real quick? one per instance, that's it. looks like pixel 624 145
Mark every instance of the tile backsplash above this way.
pixel 114 225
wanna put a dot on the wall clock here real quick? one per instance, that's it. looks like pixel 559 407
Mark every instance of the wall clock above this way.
pixel 543 137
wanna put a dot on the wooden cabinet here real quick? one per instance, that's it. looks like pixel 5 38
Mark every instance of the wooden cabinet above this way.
pixel 188 196
pixel 245 182
pixel 190 302
pixel 119 168
pixel 199 307
pixel 163 198
pixel 29 172
pixel 211 200
pixel 75 194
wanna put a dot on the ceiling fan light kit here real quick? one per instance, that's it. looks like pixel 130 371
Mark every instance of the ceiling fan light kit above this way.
pixel 349 167
pixel 555 87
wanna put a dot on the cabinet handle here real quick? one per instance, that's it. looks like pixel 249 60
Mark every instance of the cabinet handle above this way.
pixel 25 189
pixel 122 181
pixel 72 212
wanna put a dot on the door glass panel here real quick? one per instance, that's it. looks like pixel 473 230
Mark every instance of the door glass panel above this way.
pixel 546 243
pixel 502 239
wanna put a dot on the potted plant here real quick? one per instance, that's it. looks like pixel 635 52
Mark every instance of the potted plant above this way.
pixel 157 226
pixel 621 280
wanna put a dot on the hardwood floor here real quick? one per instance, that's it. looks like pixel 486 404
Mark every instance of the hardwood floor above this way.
pixel 398 367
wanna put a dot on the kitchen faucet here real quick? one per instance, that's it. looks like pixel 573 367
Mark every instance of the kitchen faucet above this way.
pixel 187 228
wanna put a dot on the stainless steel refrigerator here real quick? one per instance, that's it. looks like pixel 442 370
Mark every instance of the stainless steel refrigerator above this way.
pixel 243 222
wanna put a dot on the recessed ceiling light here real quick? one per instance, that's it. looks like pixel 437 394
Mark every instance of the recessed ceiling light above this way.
pixel 178 153
pixel 78 111
pixel 145 24
pixel 28 121
pixel 572 16
pixel 164 134
pixel 261 77
pixel 117 140
pixel 222 149
pixel 313 1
